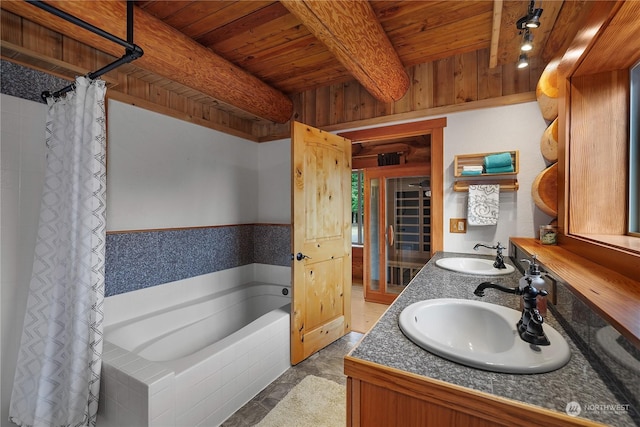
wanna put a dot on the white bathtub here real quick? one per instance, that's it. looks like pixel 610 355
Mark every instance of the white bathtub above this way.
pixel 197 361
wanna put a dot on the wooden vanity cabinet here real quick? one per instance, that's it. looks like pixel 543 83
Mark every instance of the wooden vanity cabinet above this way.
pixel 386 397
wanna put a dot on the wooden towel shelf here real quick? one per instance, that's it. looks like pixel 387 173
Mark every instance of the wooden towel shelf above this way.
pixel 462 160
pixel 505 184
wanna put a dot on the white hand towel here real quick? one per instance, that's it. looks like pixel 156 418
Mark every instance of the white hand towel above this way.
pixel 484 204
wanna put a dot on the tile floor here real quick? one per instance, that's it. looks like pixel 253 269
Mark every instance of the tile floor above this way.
pixel 327 363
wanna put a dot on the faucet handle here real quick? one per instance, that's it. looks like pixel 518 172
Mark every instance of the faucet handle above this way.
pixel 534 268
pixel 498 246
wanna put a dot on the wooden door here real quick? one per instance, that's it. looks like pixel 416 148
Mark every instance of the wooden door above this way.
pixel 321 239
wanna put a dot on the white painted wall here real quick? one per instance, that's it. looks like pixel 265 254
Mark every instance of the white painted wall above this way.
pixel 514 127
pixel 164 173
pixel 274 185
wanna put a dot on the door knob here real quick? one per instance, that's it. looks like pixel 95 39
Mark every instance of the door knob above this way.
pixel 300 256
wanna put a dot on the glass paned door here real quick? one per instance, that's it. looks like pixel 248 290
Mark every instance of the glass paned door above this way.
pixel 398 230
pixel 408 229
pixel 373 232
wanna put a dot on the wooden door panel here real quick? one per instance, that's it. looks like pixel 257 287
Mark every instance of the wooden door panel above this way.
pixel 319 338
pixel 321 215
pixel 325 295
pixel 322 177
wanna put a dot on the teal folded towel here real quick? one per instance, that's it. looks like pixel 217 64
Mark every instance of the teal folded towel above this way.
pixel 497 160
pixel 476 172
pixel 504 169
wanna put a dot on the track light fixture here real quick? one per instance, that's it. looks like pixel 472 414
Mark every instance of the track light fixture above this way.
pixel 531 19
pixel 525 24
pixel 527 41
pixel 523 61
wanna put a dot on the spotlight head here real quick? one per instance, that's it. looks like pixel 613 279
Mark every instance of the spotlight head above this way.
pixel 523 61
pixel 527 41
pixel 533 20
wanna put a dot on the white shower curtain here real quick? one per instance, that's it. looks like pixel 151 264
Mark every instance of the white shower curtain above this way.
pixel 57 376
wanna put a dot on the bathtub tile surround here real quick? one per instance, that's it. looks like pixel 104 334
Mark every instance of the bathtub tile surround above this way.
pixel 133 391
pixel 138 260
pixel 272 244
pixel 203 388
pixel 138 392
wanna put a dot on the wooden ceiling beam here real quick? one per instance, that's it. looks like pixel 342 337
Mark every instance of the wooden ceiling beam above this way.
pixel 495 33
pixel 167 52
pixel 353 34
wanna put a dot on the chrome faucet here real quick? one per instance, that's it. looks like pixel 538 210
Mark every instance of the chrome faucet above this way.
pixel 499 263
pixel 530 323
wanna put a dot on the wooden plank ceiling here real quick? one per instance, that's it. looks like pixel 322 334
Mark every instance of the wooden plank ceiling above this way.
pixel 272 44
pixel 317 46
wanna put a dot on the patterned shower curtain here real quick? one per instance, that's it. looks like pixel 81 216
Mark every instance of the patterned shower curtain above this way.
pixel 57 377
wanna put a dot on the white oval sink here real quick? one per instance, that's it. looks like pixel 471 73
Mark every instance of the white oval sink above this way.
pixel 478 266
pixel 480 335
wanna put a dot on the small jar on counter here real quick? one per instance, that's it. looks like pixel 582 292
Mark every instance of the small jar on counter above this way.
pixel 548 234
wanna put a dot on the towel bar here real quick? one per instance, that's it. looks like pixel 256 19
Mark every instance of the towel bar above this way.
pixel 505 184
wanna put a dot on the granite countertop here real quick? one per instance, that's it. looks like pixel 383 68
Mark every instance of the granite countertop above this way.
pixel 385 344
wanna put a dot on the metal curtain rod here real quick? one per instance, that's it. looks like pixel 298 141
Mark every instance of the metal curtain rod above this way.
pixel 132 51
